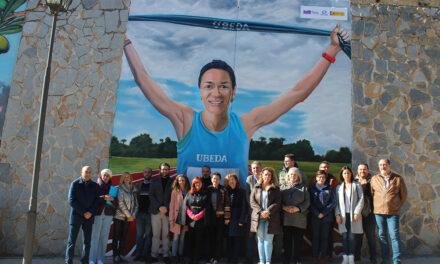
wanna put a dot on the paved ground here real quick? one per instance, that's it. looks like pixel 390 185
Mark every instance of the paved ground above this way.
pixel 55 260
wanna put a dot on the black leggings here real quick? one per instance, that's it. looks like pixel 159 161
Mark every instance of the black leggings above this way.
pixel 120 229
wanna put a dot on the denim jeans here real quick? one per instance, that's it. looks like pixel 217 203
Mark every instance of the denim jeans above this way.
pixel 143 231
pixel 348 238
pixel 160 227
pixel 369 227
pixel 389 224
pixel 178 243
pixel 100 231
pixel 74 227
pixel 265 242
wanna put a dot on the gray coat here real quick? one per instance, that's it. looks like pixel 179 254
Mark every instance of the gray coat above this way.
pixel 127 202
pixel 357 202
pixel 297 195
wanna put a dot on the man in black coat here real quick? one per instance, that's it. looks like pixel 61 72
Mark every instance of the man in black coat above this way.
pixel 83 200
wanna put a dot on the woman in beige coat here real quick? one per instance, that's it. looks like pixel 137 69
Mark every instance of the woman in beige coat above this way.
pixel 177 215
pixel 265 202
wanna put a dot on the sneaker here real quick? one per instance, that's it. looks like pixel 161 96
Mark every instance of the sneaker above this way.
pixel 91 262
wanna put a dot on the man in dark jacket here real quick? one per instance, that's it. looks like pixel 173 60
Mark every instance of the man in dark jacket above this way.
pixel 83 200
pixel 160 196
pixel 143 217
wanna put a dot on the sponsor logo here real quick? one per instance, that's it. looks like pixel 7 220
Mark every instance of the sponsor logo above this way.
pixel 323 12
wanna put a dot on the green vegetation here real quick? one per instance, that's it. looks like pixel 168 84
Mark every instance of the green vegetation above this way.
pixel 142 146
pixel 121 164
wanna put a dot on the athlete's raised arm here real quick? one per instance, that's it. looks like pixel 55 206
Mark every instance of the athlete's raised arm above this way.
pixel 179 114
pixel 267 114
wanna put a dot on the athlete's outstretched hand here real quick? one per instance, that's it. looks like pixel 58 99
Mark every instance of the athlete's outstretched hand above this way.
pixel 339 34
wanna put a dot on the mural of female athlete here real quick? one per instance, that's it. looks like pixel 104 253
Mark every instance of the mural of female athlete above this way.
pixel 216 137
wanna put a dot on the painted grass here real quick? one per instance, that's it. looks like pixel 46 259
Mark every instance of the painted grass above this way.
pixel 122 164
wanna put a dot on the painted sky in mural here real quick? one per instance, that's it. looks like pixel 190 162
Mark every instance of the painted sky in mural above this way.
pixel 11 21
pixel 266 65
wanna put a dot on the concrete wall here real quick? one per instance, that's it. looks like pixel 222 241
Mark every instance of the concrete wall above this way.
pixel 396 106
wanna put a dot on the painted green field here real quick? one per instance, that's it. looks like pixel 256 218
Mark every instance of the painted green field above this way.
pixel 121 164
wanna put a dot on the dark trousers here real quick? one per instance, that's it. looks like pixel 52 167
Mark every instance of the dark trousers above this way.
pixel 120 230
pixel 196 241
pixel 321 231
pixel 143 234
pixel 74 227
pixel 215 238
pixel 292 234
pixel 251 246
pixel 235 247
pixel 369 227
pixel 348 239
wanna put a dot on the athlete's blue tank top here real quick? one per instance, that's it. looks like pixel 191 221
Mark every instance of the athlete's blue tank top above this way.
pixel 225 151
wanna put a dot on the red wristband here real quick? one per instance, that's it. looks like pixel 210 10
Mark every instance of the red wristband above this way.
pixel 328 57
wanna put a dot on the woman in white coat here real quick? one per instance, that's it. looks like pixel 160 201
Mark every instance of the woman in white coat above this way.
pixel 349 203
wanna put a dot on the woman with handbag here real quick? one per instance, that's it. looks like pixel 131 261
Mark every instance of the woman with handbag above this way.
pixel 177 216
pixel 348 211
pixel 363 177
pixel 197 205
pixel 125 212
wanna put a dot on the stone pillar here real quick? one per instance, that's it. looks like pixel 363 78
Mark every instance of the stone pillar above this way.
pixel 85 71
pixel 396 106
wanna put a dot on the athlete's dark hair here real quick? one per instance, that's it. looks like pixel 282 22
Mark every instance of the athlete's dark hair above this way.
pixel 218 64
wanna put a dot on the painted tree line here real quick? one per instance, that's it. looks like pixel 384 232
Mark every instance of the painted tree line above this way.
pixel 262 149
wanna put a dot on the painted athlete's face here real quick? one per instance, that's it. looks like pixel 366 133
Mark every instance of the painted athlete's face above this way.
pixel 216 91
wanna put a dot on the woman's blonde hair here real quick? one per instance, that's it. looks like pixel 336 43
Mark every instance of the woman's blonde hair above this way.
pixel 125 175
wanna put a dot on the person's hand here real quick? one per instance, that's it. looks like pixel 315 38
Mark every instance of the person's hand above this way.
pixel 163 210
pixel 108 198
pixel 295 209
pixel 219 213
pixel 264 214
pixel 334 40
pixel 130 219
pixel 227 222
pixel 321 215
pixel 356 217
pixel 240 224
pixel 87 215
pixel 185 228
pixel 339 220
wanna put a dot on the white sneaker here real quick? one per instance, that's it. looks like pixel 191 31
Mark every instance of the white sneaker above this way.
pixel 91 262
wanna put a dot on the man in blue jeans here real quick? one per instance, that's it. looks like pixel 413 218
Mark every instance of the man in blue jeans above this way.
pixel 84 201
pixel 389 193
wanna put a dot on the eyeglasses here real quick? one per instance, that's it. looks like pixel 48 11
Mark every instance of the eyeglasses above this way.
pixel 210 86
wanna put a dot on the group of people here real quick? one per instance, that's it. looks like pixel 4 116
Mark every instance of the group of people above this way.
pixel 181 222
